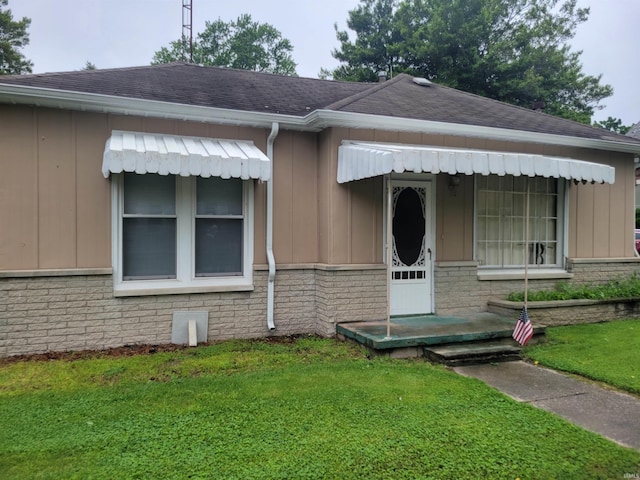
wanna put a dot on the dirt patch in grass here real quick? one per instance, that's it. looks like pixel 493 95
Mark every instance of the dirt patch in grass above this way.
pixel 130 350
pixel 125 351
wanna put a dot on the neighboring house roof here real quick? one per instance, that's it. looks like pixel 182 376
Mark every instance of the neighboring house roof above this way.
pixel 300 98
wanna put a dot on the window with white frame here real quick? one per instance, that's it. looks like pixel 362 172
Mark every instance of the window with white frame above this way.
pixel 501 222
pixel 178 232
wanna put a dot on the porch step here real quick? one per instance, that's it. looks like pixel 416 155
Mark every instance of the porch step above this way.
pixel 473 352
pixel 416 336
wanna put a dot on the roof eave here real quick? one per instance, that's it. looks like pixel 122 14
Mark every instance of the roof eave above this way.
pixel 314 121
pixel 330 118
pixel 94 102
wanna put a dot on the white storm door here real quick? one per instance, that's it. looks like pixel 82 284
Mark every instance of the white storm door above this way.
pixel 411 266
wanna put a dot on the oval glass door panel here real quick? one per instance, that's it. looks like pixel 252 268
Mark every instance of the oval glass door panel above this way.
pixel 408 226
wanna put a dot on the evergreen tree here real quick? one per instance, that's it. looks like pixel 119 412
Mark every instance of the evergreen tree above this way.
pixel 13 37
pixel 514 51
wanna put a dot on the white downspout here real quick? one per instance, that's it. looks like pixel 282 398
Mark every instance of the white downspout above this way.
pixel 275 127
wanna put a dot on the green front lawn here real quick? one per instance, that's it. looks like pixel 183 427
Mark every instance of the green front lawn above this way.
pixel 607 352
pixel 313 408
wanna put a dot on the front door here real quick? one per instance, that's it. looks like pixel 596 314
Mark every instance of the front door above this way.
pixel 411 267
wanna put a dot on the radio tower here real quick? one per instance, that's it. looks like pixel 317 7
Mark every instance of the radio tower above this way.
pixel 187 32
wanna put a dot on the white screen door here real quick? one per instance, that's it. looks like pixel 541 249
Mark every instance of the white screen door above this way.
pixel 411 267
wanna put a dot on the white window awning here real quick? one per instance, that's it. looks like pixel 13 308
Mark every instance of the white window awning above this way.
pixel 137 152
pixel 358 160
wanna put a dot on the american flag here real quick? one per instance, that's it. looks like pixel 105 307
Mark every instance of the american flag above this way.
pixel 524 330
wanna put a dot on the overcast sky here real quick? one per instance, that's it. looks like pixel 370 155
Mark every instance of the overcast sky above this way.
pixel 65 34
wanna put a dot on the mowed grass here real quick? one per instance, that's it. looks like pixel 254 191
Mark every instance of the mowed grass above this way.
pixel 607 352
pixel 310 408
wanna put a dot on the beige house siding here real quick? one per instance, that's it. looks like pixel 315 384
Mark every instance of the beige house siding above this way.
pixel 295 223
pixel 328 237
pixel 454 219
pixel 599 216
pixel 60 203
pixel 18 189
pixel 60 207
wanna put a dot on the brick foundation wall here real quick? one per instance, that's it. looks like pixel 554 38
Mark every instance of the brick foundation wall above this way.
pixel 79 312
pixel 570 312
pixel 458 289
pixel 294 309
pixel 602 271
pixel 349 296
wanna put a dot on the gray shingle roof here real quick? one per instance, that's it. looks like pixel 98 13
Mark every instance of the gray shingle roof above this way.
pixel 634 131
pixel 401 97
pixel 190 84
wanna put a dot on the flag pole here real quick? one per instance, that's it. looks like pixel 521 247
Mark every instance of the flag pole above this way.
pixel 523 331
pixel 526 246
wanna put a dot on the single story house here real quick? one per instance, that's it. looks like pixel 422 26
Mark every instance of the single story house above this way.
pixel 263 205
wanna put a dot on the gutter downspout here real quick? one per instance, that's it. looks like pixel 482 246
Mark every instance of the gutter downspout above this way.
pixel 275 127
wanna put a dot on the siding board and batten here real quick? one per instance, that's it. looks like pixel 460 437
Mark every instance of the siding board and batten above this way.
pixel 18 189
pixel 52 168
pixel 93 232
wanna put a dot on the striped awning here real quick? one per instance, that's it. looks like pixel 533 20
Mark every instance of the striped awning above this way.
pixel 358 160
pixel 136 152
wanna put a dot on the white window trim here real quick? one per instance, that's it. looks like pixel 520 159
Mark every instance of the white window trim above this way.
pixel 185 281
pixel 543 272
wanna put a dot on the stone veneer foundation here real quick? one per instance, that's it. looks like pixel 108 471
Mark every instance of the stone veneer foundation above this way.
pixel 59 311
pixel 570 312
pixel 459 289
pixel 79 312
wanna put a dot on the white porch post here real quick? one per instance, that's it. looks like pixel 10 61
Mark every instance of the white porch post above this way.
pixel 389 250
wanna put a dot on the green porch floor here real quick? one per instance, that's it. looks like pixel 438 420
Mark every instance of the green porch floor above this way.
pixel 425 330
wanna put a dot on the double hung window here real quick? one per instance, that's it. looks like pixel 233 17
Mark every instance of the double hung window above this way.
pixel 174 232
pixel 501 219
pixel 149 227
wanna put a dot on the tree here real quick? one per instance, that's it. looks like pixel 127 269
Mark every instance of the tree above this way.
pixel 242 44
pixel 613 125
pixel 514 51
pixel 13 37
pixel 376 46
pixel 89 66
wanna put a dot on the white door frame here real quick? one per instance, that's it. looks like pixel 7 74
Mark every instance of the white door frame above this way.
pixel 399 291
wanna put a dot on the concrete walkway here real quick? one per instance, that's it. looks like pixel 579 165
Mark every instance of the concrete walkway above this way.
pixel 613 415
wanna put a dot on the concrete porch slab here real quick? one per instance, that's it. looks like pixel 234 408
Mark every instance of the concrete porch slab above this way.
pixel 424 330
